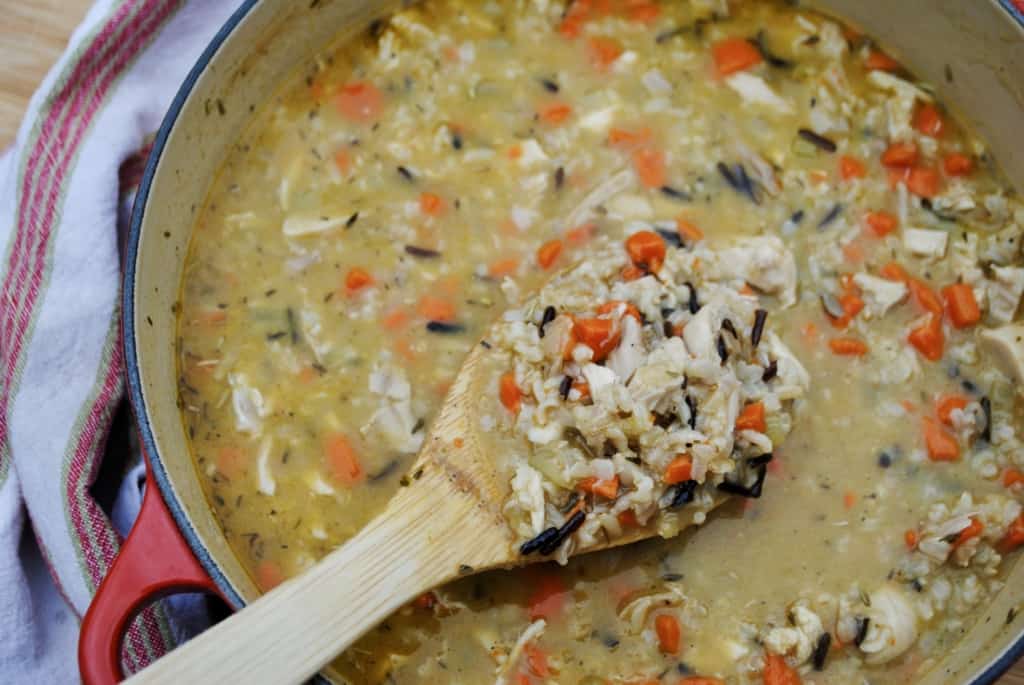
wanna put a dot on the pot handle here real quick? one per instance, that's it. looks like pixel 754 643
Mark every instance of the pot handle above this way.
pixel 153 562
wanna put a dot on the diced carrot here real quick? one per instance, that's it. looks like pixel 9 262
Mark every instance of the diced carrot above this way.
pixel 778 672
pixel 436 309
pixel 849 499
pixel 343 161
pixel 752 418
pixel 642 11
pixel 609 489
pixel 572 24
pixel 555 113
pixel 961 304
pixel 357 278
pixel 957 164
pixel 1014 537
pixel 548 253
pixel 342 460
pixel 618 137
pixel 549 596
pixel 600 335
pixel 503 267
pixel 893 272
pixel 650 167
pixel 628 519
pixel 1012 477
pixel 848 347
pixel 395 319
pixel 929 339
pixel 646 249
pixel 231 461
pixel 580 234
pixel 924 297
pixel 910 539
pixel 973 530
pixel 851 167
pixel 848 285
pixel 537 660
pixel 523 679
pixel 669 633
pixel 514 151
pixel 878 60
pixel 881 223
pixel 431 204
pixel 360 101
pixel 630 310
pixel 900 155
pixel 428 600
pixel 582 387
pixel 679 470
pixel 946 404
pixel 688 231
pixel 510 394
pixel 734 54
pixel 603 51
pixel 924 181
pixel 268 575
pixel 632 272
pixel 929 121
pixel 940 444
pixel 898 175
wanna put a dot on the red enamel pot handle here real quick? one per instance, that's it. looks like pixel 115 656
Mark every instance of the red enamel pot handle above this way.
pixel 155 561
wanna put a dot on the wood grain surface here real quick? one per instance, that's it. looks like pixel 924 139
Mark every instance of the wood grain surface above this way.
pixel 32 36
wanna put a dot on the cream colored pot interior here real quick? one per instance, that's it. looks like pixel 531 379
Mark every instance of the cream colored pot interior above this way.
pixel 970 50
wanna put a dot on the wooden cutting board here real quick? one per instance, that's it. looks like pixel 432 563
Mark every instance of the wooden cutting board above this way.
pixel 32 37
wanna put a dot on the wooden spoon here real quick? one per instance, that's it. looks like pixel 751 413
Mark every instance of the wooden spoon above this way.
pixel 446 523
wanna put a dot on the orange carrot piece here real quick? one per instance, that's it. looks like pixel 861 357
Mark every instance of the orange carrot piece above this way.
pixel 612 305
pixel 342 460
pixel 431 204
pixel 343 161
pixel 900 155
pixel 628 519
pixel 961 304
pixel 878 60
pixel 946 404
pixel 555 113
pixel 537 660
pixel 360 101
pixel 646 249
pixel 778 672
pixel 893 272
pixel 929 121
pixel 669 633
pixel 580 234
pixel 548 253
pixel 231 461
pixel 848 347
pixel 752 418
pixel 503 267
pixel 609 489
pixel 436 309
pixel 600 335
pixel 679 470
pixel 1012 477
pixel 268 575
pixel 924 181
pixel 650 167
pixel 734 54
pixel 618 137
pixel 973 530
pixel 688 231
pixel 549 597
pixel 941 445
pixel 851 167
pixel 881 223
pixel 924 297
pixel 514 151
pixel 910 539
pixel 642 11
pixel 849 499
pixel 632 272
pixel 957 164
pixel 1014 537
pixel 357 279
pixel 929 339
pixel 510 394
pixel 603 51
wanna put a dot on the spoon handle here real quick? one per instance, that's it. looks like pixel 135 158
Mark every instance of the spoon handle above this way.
pixel 290 633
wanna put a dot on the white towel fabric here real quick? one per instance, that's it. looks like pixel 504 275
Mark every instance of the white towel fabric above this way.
pixel 64 189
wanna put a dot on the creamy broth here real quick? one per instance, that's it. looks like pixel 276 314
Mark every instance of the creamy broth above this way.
pixel 384 207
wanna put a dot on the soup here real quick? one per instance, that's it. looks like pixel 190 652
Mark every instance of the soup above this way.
pixel 385 207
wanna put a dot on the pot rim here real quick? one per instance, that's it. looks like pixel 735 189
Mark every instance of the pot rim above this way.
pixel 996 668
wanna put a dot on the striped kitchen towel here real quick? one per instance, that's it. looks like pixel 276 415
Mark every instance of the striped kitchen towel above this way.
pixel 62 205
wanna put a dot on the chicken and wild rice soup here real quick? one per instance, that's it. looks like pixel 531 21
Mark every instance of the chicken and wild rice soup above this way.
pixel 740 269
